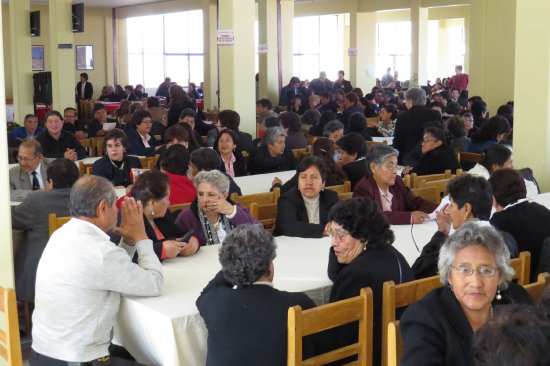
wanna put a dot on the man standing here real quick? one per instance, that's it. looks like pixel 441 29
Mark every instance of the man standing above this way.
pixel 342 84
pixel 289 91
pixel 164 88
pixel 321 84
pixel 82 275
pixel 29 130
pixel 58 143
pixel 459 80
pixel 30 174
pixel 73 125
pixel 84 89
pixel 387 79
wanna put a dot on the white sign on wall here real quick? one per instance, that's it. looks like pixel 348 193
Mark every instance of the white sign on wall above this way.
pixel 352 51
pixel 262 48
pixel 226 37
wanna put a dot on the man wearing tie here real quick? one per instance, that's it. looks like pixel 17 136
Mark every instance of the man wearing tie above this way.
pixel 84 89
pixel 30 174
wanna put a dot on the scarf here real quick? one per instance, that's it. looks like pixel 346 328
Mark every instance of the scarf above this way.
pixel 209 230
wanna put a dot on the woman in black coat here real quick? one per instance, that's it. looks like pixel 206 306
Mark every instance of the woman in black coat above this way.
pixel 272 156
pixel 303 210
pixel 352 151
pixel 233 160
pixel 136 146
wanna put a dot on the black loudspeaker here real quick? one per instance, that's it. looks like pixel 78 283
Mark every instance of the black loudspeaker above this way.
pixel 78 17
pixel 42 87
pixel 35 24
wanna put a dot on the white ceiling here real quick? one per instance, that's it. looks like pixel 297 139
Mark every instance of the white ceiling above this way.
pixel 97 3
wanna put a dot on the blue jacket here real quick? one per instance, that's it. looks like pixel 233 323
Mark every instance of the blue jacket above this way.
pixel 21 132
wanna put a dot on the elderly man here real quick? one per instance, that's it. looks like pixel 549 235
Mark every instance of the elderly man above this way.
pixel 82 275
pixel 30 129
pixel 30 174
pixel 409 128
pixel 31 217
pixel 72 124
pixel 163 89
pixel 58 143
pixel 321 84
pixel 289 91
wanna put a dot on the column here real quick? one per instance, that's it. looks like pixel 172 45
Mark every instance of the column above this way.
pixel 63 59
pixel 419 43
pixel 21 61
pixel 363 37
pixel 210 50
pixel 110 47
pixel 467 40
pixel 6 249
pixel 269 61
pixel 287 22
pixel 237 85
pixel 532 104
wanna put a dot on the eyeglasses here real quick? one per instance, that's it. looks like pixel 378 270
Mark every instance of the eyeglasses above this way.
pixel 483 271
pixel 26 160
pixel 337 236
pixel 390 167
pixel 429 140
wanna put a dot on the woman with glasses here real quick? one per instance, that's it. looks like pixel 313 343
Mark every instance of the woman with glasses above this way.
pixel 387 189
pixel 474 265
pixel 140 143
pixel 362 255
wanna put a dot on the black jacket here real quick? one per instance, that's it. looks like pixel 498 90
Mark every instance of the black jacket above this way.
pixel 239 166
pixel 437 161
pixel 355 171
pixel 344 117
pixel 262 162
pixel 136 146
pixel 104 168
pixel 56 148
pixel 95 126
pixel 292 218
pixel 88 91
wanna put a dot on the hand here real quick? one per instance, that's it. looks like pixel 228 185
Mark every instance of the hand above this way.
pixel 190 247
pixel 418 217
pixel 276 181
pixel 221 205
pixel 80 134
pixel 131 228
pixel 407 170
pixel 70 154
pixel 101 132
pixel 171 248
pixel 443 220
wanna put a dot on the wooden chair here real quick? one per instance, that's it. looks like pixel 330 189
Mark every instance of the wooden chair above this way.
pixel 303 323
pixel 179 206
pixel 97 144
pixel 416 180
pixel 395 344
pixel 311 139
pixel 397 296
pixel 87 143
pixel 83 168
pixel 341 188
pixel 373 121
pixel 522 268
pixel 55 222
pixel 246 157
pixel 259 198
pixel 298 153
pixel 266 214
pixel 535 289
pixel 428 193
pixel 10 336
pixel 372 143
pixel 159 137
pixel 407 180
pixel 466 157
pixel 440 187
pixel 345 196
pixel 149 162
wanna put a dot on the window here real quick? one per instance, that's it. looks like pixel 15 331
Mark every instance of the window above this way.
pixel 394 49
pixel 169 45
pixel 446 47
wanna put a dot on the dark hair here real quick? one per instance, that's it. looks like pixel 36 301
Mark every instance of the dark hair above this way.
pixel 311 117
pixel 294 80
pixel 324 148
pixel 353 143
pixel 193 142
pixel 271 122
pixel 437 104
pixel 63 173
pixel 98 107
pixel 477 108
pixel 507 110
pixel 246 254
pixel 352 97
pixel 363 220
pixel 129 87
pixel 225 131
pixel 291 121
pixel 326 117
pixel 437 133
pixel 326 95
pixel 177 95
pixel 206 159
pixel 495 154
pixel 114 134
pixel 187 112
pixel 391 108
pixel 444 94
pixel 176 160
pixel 229 119
pixel 139 115
pixel 452 108
pixel 65 110
pixel 53 112
pixel 490 129
pixel 474 190
pixel 152 102
pixel 455 125
pixel 151 185
pixel 266 103
pixel 315 161
pixel 177 132
pixel 358 92
pixel 508 186
pixel 357 123
pixel 84 75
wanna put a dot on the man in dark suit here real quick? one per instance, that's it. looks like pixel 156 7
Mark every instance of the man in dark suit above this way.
pixel 31 217
pixel 30 174
pixel 57 143
pixel 247 325
pixel 84 89
pixel 72 123
pixel 342 84
pixel 409 128
pixel 321 84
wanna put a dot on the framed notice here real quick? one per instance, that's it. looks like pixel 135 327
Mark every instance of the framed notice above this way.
pixel 84 57
pixel 37 54
pixel 226 37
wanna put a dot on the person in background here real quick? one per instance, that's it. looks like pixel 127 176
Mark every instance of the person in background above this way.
pixel 139 93
pixel 175 164
pixel 351 157
pixel 163 89
pixel 233 160
pixel 264 110
pixel 231 120
pixel 192 92
pixel 334 130
pixel 350 107
pixel 289 91
pixel 358 123
pixel 57 143
pixel 460 142
pixel 310 117
pixel 290 123
pixel 272 155
pixel 140 142
pixel 318 128
pixel 321 84
pixel 187 116
pixel 29 130
pixel 30 174
pixel 129 93
pixel 73 124
pixel 205 159
pixel 387 79
pixel 388 119
pixel 459 80
pixel 84 89
pixel 297 104
pixel 107 94
pixel 200 89
pixel 341 83
pixel 95 128
pixel 491 132
pixel 154 108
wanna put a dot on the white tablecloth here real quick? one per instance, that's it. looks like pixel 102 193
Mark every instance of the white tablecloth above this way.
pixel 259 183
pixel 381 139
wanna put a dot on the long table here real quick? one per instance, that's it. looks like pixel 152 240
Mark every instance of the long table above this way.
pixel 260 183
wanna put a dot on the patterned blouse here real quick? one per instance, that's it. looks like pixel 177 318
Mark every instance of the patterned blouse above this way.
pixel 387 130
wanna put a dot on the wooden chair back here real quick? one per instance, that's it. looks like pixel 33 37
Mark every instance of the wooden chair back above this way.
pixel 345 196
pixel 466 157
pixel 212 116
pixel 83 168
pixel 428 193
pixel 395 344
pixel 87 143
pixel 246 157
pixel 407 180
pixel 55 222
pixel 303 323
pixel 149 162
pixel 373 121
pixel 97 145
pixel 522 268
pixel 179 206
pixel 416 180
pixel 260 198
pixel 266 214
pixel 440 187
pixel 535 289
pixel 9 337
pixel 372 143
pixel 298 153
pixel 311 139
pixel 341 188
pixel 397 296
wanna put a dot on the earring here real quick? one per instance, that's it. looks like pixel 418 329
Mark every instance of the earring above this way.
pixel 451 287
pixel 153 213
pixel 499 296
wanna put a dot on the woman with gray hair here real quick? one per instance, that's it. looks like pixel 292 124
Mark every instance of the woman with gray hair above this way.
pixel 272 156
pixel 241 308
pixel 384 186
pixel 474 265
pixel 212 215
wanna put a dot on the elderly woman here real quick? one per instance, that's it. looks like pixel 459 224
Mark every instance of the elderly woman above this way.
pixel 439 328
pixel 290 123
pixel 205 159
pixel 175 163
pixel 471 198
pixel 362 255
pixel 272 156
pixel 334 130
pixel 241 308
pixel 303 210
pixel 233 160
pixel 351 156
pixel 140 142
pixel 116 166
pixel 526 221
pixel 387 189
pixel 152 188
pixel 212 215
pixel 455 125
pixel 358 123
pixel 95 128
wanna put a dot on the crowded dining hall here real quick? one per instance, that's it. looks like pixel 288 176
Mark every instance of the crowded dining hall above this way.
pixel 275 182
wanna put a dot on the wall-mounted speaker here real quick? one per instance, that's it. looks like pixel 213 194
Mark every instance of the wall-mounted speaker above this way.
pixel 42 82
pixel 35 24
pixel 78 17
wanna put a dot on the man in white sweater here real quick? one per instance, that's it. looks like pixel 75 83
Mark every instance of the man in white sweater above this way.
pixel 82 275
